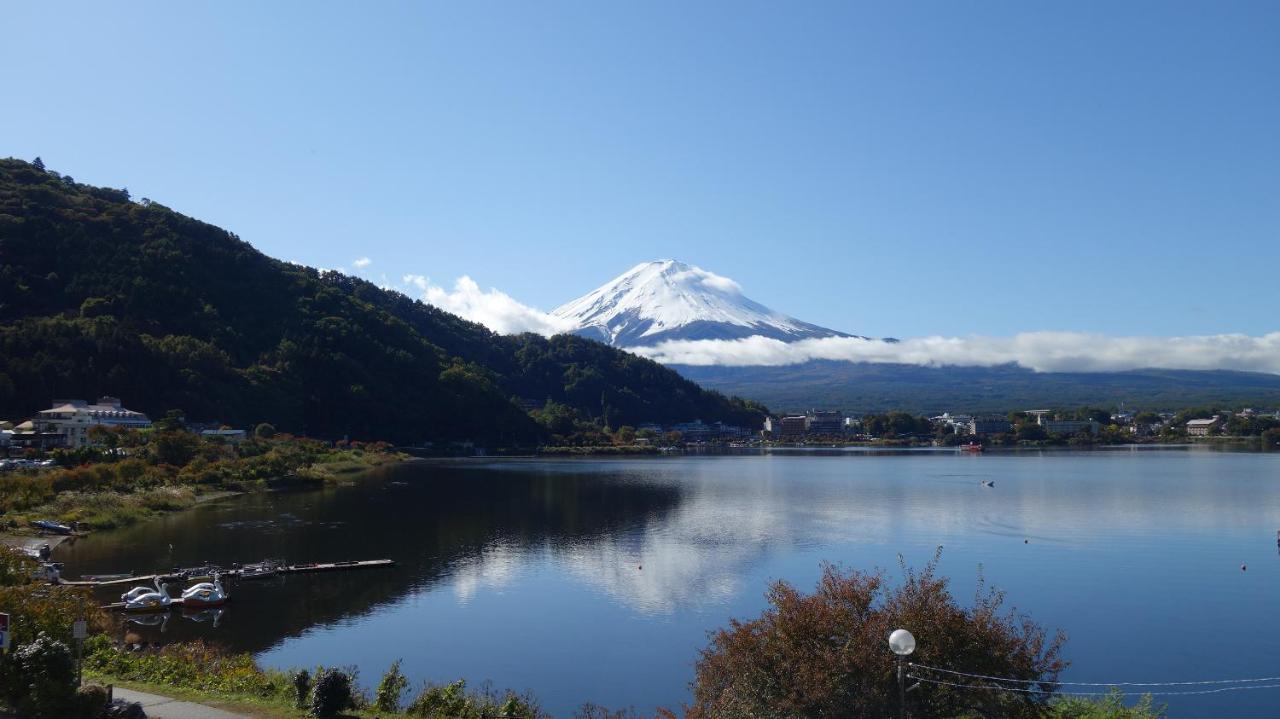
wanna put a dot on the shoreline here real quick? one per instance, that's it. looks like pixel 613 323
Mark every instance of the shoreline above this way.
pixel 30 540
pixel 852 450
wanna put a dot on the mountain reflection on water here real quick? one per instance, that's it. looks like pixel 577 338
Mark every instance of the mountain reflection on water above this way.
pixel 599 579
pixel 435 521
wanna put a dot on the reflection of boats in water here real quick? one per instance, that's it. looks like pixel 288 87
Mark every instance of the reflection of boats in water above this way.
pixel 150 621
pixel 212 615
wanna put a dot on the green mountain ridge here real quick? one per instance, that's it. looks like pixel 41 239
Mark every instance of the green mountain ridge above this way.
pixel 867 387
pixel 103 295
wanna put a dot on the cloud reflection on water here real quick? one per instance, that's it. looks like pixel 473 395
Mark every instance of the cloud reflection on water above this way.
pixel 701 551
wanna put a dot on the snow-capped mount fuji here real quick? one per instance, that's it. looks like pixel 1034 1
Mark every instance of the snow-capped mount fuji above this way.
pixel 664 300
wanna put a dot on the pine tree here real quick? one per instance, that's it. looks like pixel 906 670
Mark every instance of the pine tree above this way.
pixel 39 164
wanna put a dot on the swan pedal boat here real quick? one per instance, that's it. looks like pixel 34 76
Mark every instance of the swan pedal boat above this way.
pixel 146 599
pixel 205 594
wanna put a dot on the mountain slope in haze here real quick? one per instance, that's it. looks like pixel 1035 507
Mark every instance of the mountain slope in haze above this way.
pixel 668 300
pixel 867 387
pixel 103 295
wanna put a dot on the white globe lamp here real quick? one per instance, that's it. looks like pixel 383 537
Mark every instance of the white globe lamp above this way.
pixel 901 642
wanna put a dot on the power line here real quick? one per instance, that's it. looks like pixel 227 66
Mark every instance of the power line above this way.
pixel 1218 690
pixel 1094 684
pixel 1003 689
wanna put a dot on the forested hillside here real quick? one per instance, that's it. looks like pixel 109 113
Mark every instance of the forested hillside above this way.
pixel 866 387
pixel 101 294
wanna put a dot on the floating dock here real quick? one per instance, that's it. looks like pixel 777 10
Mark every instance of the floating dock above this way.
pixel 308 568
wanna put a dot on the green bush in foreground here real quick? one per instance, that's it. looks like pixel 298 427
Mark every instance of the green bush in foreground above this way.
pixel 390 689
pixel 301 687
pixel 191 665
pixel 42 682
pixel 453 701
pixel 331 693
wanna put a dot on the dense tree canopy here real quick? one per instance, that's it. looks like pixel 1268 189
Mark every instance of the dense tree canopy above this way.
pixel 102 295
pixel 825 655
pixel 896 424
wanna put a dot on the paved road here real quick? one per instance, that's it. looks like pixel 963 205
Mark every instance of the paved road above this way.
pixel 158 707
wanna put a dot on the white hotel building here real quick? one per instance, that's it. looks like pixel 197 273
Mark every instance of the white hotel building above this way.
pixel 72 418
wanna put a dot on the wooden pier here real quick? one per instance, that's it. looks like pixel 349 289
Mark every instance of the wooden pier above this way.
pixel 308 568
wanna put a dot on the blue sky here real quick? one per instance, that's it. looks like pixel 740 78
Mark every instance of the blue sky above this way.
pixel 888 169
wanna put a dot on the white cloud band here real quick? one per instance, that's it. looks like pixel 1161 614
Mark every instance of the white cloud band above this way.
pixel 1041 351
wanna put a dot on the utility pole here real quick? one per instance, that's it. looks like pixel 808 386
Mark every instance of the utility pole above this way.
pixel 80 630
pixel 902 691
pixel 902 644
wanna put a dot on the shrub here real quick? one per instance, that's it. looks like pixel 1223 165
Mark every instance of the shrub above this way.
pixel 1271 437
pixel 41 679
pixel 1111 706
pixel 453 701
pixel 825 654
pixel 15 568
pixel 264 431
pixel 390 689
pixel 301 687
pixel 176 447
pixel 331 693
pixel 90 701
pixel 36 609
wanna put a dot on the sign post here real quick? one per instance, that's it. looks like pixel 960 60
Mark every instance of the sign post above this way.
pixel 4 633
pixel 79 630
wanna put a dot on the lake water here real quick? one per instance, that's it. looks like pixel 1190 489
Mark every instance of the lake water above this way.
pixel 598 579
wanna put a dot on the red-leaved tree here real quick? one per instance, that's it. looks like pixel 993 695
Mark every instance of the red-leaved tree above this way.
pixel 826 654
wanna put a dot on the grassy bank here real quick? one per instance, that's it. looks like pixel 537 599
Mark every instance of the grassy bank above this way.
pixel 134 476
pixel 195 671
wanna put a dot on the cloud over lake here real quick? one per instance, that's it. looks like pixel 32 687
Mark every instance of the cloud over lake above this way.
pixel 1040 351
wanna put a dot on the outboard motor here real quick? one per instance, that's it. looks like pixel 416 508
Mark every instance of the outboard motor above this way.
pixel 52 572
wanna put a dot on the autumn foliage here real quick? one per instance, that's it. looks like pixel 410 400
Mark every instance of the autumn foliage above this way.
pixel 825 654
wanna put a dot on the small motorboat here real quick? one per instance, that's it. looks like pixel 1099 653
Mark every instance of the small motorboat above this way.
pixel 988 483
pixel 106 577
pixel 971 447
pixel 49 525
pixel 205 571
pixel 146 599
pixel 52 572
pixel 205 594
pixel 265 569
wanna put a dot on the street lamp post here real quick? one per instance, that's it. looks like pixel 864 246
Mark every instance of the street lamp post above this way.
pixel 902 644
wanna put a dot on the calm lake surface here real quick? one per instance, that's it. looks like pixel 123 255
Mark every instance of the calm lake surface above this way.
pixel 598 579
